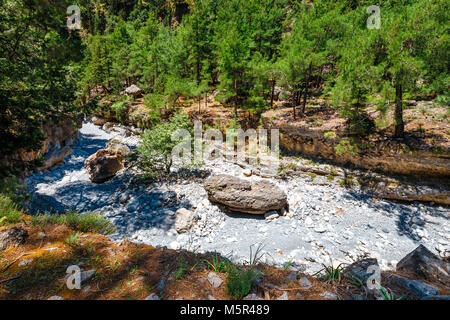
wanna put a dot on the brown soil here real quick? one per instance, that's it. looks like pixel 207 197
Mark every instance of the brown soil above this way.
pixel 128 271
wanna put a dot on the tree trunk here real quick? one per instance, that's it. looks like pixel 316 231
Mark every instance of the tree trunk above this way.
pixel 294 101
pixel 273 92
pixel 305 94
pixel 398 116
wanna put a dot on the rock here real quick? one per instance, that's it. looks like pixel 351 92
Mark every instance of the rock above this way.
pixel 133 90
pixel 417 287
pixel 41 235
pixel 284 296
pixel 329 295
pixel 152 296
pixel 55 157
pixel 214 280
pixel 55 298
pixel 292 276
pixel 161 286
pixel 210 297
pixel 98 121
pixel 13 237
pixel 25 262
pixel 305 283
pixel 87 275
pixel 104 164
pixel 58 134
pixel 244 196
pixel 357 297
pixel 437 297
pixel 423 263
pixel 86 289
pixel 117 146
pixel 359 269
pixel 184 220
pixel 174 245
pixel 247 172
pixel 271 215
pixel 252 297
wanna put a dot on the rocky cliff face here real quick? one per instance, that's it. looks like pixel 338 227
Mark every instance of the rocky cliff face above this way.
pixel 386 156
pixel 60 135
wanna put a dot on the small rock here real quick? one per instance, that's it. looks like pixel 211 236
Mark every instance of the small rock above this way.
pixel 55 298
pixel 359 270
pixel 174 245
pixel 329 295
pixel 210 297
pixel 292 276
pixel 152 296
pixel 284 296
pixel 161 286
pixel 214 280
pixel 25 262
pixel 417 287
pixel 305 283
pixel 437 297
pixel 41 235
pixel 13 236
pixel 271 215
pixel 86 289
pixel 184 220
pixel 247 172
pixel 252 297
pixel 357 297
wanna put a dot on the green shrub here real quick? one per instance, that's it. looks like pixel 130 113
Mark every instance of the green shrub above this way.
pixel 74 239
pixel 9 187
pixel 344 147
pixel 87 222
pixel 240 282
pixel 120 108
pixel 155 150
pixel 9 211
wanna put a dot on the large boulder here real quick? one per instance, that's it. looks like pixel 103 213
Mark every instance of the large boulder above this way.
pixel 245 196
pixel 104 164
pixel 426 265
pixel 12 237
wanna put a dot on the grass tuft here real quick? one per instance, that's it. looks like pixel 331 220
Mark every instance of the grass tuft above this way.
pixel 87 222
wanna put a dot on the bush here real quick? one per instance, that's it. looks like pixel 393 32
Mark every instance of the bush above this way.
pixel 9 187
pixel 9 211
pixel 155 150
pixel 240 282
pixel 87 222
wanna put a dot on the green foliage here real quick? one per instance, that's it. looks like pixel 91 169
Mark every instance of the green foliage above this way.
pixel 388 294
pixel 218 264
pixel 74 239
pixel 9 211
pixel 332 274
pixel 345 147
pixel 155 150
pixel 37 64
pixel 86 222
pixel 240 282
